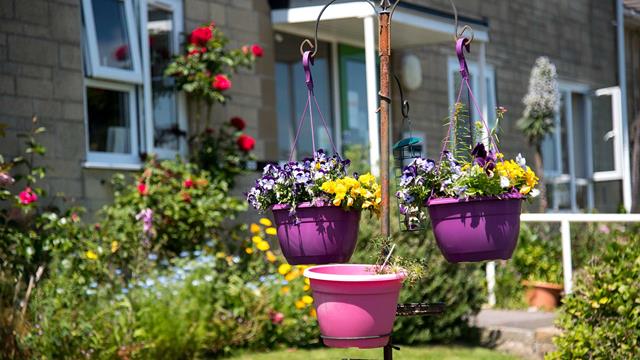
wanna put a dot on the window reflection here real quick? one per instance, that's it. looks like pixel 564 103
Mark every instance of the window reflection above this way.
pixel 108 118
pixel 111 31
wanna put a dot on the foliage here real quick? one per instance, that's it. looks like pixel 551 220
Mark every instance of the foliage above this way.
pixel 538 258
pixel 203 70
pixel 458 286
pixel 541 102
pixel 601 318
pixel 224 153
pixel 172 207
pixel 319 180
pixel 486 174
pixel 30 236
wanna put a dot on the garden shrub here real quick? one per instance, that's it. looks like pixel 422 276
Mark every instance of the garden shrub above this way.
pixel 459 286
pixel 601 318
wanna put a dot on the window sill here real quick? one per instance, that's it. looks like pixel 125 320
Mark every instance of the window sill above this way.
pixel 110 166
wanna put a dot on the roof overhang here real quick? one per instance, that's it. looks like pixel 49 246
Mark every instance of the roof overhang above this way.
pixel 412 25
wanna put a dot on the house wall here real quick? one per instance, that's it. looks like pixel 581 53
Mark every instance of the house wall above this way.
pixel 578 36
pixel 41 74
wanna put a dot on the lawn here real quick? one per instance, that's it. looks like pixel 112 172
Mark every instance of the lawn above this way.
pixel 452 352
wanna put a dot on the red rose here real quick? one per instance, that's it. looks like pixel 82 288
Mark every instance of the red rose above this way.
pixel 238 123
pixel 221 82
pixel 27 196
pixel 200 36
pixel 246 50
pixel 246 142
pixel 188 183
pixel 197 51
pixel 257 50
pixel 142 189
pixel 121 53
pixel 276 317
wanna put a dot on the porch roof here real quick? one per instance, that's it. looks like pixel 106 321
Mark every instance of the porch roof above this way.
pixel 412 24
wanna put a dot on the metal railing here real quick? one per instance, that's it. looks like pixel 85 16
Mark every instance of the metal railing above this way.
pixel 565 220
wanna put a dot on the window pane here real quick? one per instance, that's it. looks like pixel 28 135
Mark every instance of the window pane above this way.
pixel 109 122
pixel 165 108
pixel 608 196
pixel 353 86
pixel 291 97
pixel 579 136
pixel 564 134
pixel 549 151
pixel 114 47
pixel 603 136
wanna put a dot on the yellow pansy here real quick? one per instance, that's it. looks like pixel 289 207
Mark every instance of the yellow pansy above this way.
pixel 307 299
pixel 313 313
pixel 366 179
pixel 525 190
pixel 270 256
pixel 307 281
pixel 255 228
pixel 284 268
pixel 291 276
pixel 337 201
pixel 271 231
pixel 285 289
pixel 306 288
pixel 329 187
pixel 248 251
pixel 263 246
pixel 300 304
pixel 91 255
pixel 350 201
pixel 257 239
pixel 265 222
pixel 114 246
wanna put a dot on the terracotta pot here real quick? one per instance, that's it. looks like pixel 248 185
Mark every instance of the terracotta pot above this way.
pixel 543 295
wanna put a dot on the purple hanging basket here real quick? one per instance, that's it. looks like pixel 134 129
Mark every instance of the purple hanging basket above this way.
pixel 478 229
pixel 316 234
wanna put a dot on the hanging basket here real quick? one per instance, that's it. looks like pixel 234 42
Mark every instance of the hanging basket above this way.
pixel 475 229
pixel 356 307
pixel 316 234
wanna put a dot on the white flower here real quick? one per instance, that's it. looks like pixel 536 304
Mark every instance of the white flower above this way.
pixel 521 161
pixel 534 193
pixel 504 182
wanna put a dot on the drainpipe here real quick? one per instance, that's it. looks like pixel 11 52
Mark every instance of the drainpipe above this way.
pixel 622 81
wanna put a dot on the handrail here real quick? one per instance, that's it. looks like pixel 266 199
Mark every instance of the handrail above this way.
pixel 565 220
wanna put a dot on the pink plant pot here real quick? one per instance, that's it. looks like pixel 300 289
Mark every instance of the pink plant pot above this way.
pixel 472 230
pixel 356 307
pixel 316 234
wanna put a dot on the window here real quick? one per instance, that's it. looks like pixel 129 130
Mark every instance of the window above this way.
pixel 130 106
pixel 490 86
pixel 583 157
pixel 111 39
pixel 353 99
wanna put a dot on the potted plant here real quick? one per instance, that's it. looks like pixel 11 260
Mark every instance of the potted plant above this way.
pixel 473 197
pixel 539 262
pixel 316 207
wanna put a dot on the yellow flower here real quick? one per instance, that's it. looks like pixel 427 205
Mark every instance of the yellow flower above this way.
pixel 329 187
pixel 291 276
pixel 114 246
pixel 306 281
pixel 257 239
pixel 307 299
pixel 263 246
pixel 499 155
pixel 220 254
pixel 285 289
pixel 525 190
pixel 306 288
pixel 337 201
pixel 248 251
pixel 300 305
pixel 255 228
pixel 350 201
pixel 265 222
pixel 271 231
pixel 367 179
pixel 91 255
pixel 284 268
pixel 313 313
pixel 270 256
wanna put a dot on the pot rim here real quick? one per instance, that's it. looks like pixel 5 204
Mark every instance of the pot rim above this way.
pixel 309 205
pixel 312 274
pixel 542 284
pixel 452 200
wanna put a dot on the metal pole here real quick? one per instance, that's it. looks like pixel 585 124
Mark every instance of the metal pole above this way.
pixel 385 54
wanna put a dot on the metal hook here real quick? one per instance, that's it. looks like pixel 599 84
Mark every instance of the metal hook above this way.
pixel 405 103
pixel 457 34
pixel 314 45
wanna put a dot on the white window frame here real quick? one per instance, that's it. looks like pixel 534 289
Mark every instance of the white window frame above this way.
pixel 175 7
pixel 108 159
pixel 94 68
pixel 616 135
pixel 453 70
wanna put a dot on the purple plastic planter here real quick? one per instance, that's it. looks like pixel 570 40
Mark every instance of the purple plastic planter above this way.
pixel 478 229
pixel 356 307
pixel 316 234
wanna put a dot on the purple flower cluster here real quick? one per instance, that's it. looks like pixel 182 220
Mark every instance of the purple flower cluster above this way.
pixel 483 158
pixel 295 181
pixel 416 178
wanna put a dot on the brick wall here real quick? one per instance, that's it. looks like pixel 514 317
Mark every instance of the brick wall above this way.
pixel 41 74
